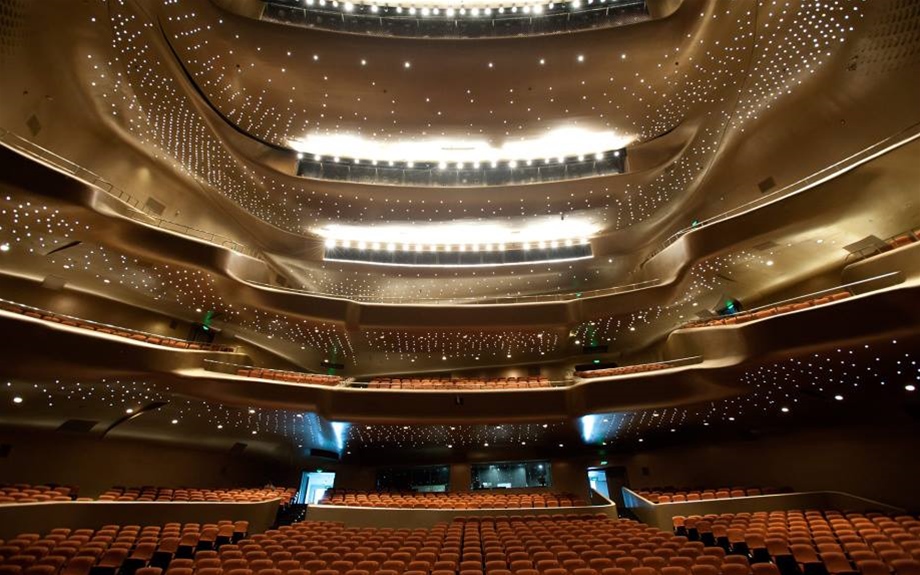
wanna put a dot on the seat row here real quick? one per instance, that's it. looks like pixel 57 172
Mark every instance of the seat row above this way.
pixel 813 542
pixel 290 376
pixel 624 370
pixel 26 493
pixel 500 545
pixel 441 385
pixel 253 495
pixel 112 330
pixel 115 550
pixel 446 383
pixel 501 499
pixel 743 317
pixel 675 495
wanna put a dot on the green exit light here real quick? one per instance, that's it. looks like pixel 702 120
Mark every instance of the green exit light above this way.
pixel 604 462
pixel 597 361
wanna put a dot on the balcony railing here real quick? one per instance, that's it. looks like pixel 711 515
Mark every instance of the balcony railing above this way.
pixel 804 301
pixel 654 366
pixel 136 210
pixel 853 161
pixel 109 329
pixel 285 375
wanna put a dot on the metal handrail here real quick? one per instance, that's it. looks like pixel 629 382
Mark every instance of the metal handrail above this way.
pixel 852 161
pixel 885 247
pixel 569 296
pixel 668 363
pixel 230 365
pixel 135 209
pixel 845 287
pixel 204 345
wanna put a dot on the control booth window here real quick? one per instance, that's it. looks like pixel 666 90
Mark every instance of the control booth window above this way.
pixel 508 475
pixel 422 479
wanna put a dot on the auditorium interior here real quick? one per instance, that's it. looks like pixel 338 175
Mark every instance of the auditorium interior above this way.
pixel 460 287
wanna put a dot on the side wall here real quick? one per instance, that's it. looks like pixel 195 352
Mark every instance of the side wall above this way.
pixel 871 462
pixel 94 465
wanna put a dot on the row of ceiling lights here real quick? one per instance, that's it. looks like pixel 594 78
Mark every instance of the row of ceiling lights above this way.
pixel 332 243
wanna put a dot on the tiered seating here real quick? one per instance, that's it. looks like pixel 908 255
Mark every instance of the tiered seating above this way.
pixel 811 542
pixel 626 369
pixel 499 499
pixel 672 495
pixel 189 494
pixel 290 376
pixel 775 543
pixel 111 330
pixel 455 383
pixel 742 317
pixel 25 493
pixel 116 550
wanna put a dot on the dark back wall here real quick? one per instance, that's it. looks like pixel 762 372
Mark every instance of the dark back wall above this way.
pixel 875 462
